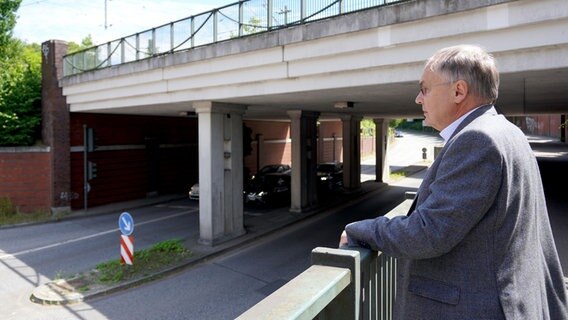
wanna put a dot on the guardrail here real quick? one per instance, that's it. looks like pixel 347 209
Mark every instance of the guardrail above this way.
pixel 235 20
pixel 346 283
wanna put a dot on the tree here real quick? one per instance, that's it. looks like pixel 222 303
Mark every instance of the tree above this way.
pixel 20 96
pixel 87 42
pixel 8 10
pixel 20 83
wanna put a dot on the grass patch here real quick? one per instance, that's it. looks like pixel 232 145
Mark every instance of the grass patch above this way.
pixel 10 215
pixel 397 175
pixel 160 256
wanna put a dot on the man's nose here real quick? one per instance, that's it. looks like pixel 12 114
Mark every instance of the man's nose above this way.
pixel 419 97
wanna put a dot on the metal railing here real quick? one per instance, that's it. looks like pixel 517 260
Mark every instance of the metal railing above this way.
pixel 235 20
pixel 346 283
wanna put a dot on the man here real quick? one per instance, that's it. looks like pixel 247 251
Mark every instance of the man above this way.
pixel 477 243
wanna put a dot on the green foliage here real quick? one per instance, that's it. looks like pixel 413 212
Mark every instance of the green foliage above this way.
pixel 20 95
pixel 161 255
pixel 6 207
pixel 171 246
pixel 8 10
pixel 87 42
pixel 367 128
pixel 20 83
pixel 10 214
pixel 253 26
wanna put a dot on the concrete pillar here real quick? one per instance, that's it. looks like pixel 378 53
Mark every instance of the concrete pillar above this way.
pixel 55 124
pixel 382 170
pixel 220 171
pixel 304 160
pixel 351 151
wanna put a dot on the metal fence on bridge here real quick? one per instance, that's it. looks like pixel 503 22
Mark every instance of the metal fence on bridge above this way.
pixel 235 20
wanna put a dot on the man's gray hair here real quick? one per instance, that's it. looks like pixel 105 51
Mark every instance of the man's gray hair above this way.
pixel 471 64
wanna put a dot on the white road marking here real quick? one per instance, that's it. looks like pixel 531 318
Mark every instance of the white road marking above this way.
pixel 57 244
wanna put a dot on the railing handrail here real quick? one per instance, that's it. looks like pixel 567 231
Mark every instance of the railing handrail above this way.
pixel 302 297
pixel 346 283
pixel 108 54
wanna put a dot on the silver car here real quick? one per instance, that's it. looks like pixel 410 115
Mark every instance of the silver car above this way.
pixel 194 192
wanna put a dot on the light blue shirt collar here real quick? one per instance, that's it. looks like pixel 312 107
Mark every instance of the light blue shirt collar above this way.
pixel 449 130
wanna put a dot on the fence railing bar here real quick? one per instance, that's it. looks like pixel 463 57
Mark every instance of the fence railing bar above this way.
pixel 73 60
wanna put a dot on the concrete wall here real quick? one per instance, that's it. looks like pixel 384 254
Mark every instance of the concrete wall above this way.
pixel 25 176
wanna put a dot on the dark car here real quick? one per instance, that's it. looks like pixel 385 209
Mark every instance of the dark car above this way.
pixel 269 189
pixel 274 168
pixel 330 176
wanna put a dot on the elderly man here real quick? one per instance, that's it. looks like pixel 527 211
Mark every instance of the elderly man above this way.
pixel 477 243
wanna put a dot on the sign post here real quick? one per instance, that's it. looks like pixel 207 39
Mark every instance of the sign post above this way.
pixel 126 226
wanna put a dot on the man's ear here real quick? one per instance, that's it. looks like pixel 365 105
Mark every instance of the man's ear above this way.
pixel 461 91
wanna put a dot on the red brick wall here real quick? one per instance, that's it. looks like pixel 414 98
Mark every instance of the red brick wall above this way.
pixel 541 125
pixel 136 156
pixel 327 144
pixel 25 177
pixel 278 146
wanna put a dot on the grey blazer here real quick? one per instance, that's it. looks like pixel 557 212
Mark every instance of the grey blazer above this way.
pixel 478 244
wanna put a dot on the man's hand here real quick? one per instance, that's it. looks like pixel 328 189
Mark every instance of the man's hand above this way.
pixel 343 239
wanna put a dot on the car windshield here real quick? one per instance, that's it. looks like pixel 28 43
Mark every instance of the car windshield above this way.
pixel 272 169
pixel 327 168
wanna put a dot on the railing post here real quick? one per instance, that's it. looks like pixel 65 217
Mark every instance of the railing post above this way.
pixel 171 37
pixel 108 55
pixel 269 9
pixel 302 11
pixel 137 46
pixel 192 32
pixel 122 51
pixel 241 17
pixel 153 43
pixel 215 25
pixel 347 305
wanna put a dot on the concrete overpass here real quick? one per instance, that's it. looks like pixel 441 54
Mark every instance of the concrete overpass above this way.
pixel 362 64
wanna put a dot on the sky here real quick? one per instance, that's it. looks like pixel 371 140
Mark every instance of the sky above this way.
pixel 73 20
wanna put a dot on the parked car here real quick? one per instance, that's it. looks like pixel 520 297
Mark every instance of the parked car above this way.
pixel 274 168
pixel 330 175
pixel 282 169
pixel 269 189
pixel 194 192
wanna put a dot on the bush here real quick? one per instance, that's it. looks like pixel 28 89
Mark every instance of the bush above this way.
pixel 20 96
pixel 6 207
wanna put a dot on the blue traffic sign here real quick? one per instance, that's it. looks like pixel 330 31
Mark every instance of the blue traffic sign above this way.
pixel 126 224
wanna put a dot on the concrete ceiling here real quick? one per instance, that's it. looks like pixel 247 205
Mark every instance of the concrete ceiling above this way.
pixel 535 92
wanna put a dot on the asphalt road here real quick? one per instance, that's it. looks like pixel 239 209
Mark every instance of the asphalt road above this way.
pixel 226 286
pixel 34 255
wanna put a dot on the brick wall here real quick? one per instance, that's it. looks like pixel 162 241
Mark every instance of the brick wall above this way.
pixel 277 146
pixel 548 125
pixel 136 157
pixel 25 175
